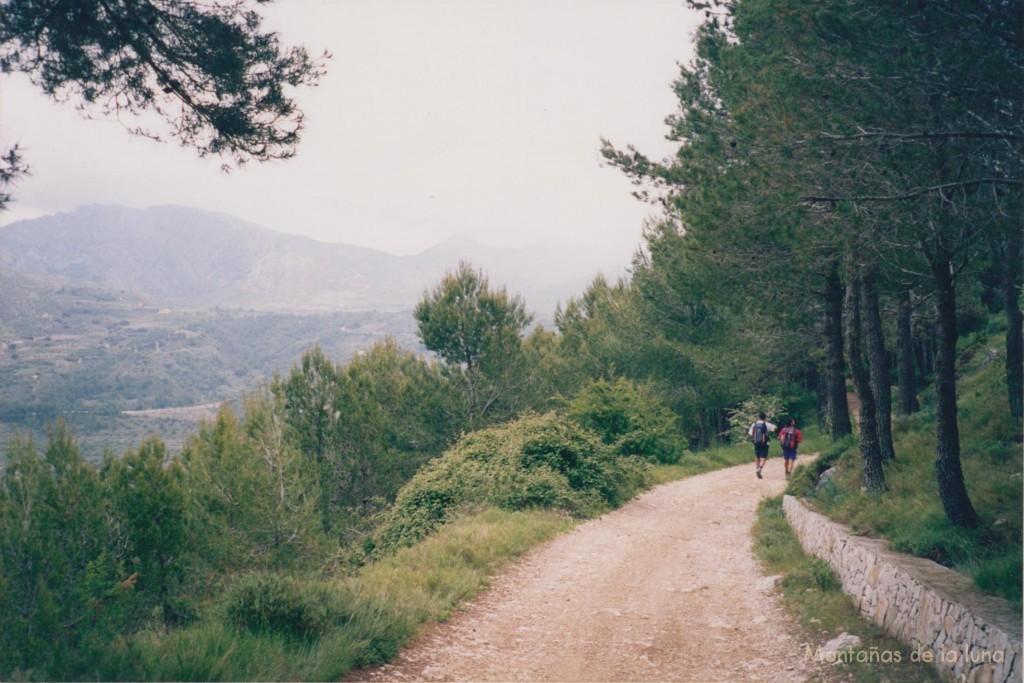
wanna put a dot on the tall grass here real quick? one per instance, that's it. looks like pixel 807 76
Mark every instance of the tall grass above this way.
pixel 381 609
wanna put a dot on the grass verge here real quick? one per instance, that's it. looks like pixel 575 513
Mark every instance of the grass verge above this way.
pixel 382 609
pixel 699 462
pixel 812 592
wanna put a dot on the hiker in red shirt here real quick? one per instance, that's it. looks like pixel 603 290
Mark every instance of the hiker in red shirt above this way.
pixel 790 437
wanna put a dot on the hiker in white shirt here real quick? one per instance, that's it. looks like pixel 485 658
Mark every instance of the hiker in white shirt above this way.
pixel 761 433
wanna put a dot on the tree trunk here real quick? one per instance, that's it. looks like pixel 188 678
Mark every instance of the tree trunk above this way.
pixel 821 394
pixel 906 400
pixel 948 471
pixel 469 375
pixel 703 428
pixel 924 353
pixel 837 410
pixel 1014 352
pixel 870 453
pixel 878 362
pixel 721 426
pixel 1014 326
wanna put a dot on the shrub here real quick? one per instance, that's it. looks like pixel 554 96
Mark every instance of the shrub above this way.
pixel 824 578
pixel 631 420
pixel 537 461
pixel 265 601
pixel 586 465
pixel 541 487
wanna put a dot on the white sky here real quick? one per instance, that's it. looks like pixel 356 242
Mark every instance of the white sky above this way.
pixel 436 117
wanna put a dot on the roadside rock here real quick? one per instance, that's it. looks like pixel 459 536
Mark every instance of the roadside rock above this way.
pixel 840 643
pixel 826 477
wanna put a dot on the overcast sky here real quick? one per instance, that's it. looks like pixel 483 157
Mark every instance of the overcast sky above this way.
pixel 436 117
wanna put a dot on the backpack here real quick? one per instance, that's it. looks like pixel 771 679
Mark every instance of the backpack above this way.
pixel 789 438
pixel 760 432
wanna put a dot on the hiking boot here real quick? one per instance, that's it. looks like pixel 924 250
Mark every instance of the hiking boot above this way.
pixel 759 473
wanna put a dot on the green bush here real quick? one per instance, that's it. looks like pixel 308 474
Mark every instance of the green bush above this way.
pixel 543 461
pixel 630 419
pixel 564 448
pixel 540 487
pixel 87 555
pixel 266 601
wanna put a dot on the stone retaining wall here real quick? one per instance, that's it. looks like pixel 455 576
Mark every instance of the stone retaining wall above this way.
pixel 937 612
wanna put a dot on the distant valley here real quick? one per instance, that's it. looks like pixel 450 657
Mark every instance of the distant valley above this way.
pixel 79 352
pixel 107 309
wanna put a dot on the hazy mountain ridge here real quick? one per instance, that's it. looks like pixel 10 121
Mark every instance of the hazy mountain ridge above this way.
pixel 197 259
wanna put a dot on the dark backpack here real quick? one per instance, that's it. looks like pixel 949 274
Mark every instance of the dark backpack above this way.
pixel 760 432
pixel 789 438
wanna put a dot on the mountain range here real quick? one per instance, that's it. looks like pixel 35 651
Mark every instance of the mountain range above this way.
pixel 189 258
pixel 126 322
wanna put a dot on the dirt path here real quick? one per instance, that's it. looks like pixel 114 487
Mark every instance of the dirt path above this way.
pixel 664 589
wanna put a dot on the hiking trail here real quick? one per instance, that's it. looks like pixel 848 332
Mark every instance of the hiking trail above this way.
pixel 666 588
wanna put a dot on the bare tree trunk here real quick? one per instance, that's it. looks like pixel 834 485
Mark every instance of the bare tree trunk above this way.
pixel 721 425
pixel 703 428
pixel 948 471
pixel 1014 351
pixel 475 411
pixel 924 354
pixel 1011 272
pixel 870 453
pixel 878 362
pixel 821 394
pixel 837 410
pixel 906 400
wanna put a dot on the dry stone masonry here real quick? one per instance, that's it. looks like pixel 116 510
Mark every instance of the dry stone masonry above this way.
pixel 936 612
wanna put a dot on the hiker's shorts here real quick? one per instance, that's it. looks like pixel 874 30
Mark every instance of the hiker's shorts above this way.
pixel 760 450
pixel 789 454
